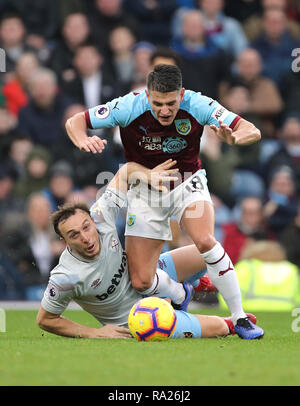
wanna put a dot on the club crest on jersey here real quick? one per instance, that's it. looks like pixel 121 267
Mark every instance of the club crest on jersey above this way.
pixel 95 283
pixel 188 334
pixel 131 219
pixel 102 111
pixel 183 126
pixel 114 244
pixel 173 145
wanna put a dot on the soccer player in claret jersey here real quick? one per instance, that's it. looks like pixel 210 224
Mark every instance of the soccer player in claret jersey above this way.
pixel 167 121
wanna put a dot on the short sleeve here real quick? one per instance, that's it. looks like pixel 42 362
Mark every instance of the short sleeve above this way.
pixel 106 209
pixel 118 112
pixel 208 111
pixel 58 294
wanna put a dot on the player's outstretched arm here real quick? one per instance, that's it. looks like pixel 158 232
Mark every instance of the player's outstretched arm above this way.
pixel 77 131
pixel 56 324
pixel 244 133
pixel 133 172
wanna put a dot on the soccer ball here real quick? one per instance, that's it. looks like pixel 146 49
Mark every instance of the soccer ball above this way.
pixel 152 319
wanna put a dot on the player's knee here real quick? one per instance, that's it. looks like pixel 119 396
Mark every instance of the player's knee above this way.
pixel 141 283
pixel 205 243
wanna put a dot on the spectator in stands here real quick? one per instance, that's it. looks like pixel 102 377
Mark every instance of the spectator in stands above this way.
pixel 225 31
pixel 253 25
pixel 290 86
pixel 9 203
pixel 268 281
pixel 239 167
pixel 45 246
pixel 293 9
pixel 67 7
pixel 264 96
pixel 142 52
pixel 61 184
pixel 40 18
pixel 121 42
pixel 203 64
pixel 288 151
pixel 262 101
pixel 36 172
pixel 19 150
pixel 154 17
pixel 275 44
pixel 281 203
pixel 41 118
pixel 8 124
pixel 13 39
pixel 250 226
pixel 85 167
pixel 242 9
pixel 290 239
pixel 16 89
pixel 93 83
pixel 75 31
pixel 11 282
pixel 29 243
pixel 104 16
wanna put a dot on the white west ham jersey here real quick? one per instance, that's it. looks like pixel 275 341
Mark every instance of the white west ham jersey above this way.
pixel 102 286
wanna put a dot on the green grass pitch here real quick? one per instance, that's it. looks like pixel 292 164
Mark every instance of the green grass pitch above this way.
pixel 31 357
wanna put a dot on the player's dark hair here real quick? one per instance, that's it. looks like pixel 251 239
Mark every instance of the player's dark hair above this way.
pixel 66 211
pixel 164 79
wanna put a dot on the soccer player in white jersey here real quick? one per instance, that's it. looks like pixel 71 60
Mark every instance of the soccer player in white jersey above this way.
pixel 93 269
pixel 167 121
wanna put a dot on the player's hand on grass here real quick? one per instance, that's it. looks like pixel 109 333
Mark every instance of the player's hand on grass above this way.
pixel 112 331
pixel 162 173
pixel 224 132
pixel 92 144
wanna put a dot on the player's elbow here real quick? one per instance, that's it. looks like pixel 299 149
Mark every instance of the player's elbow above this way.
pixel 41 322
pixel 69 126
pixel 256 134
pixel 76 121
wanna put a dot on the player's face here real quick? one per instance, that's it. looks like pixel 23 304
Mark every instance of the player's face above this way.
pixel 165 105
pixel 80 234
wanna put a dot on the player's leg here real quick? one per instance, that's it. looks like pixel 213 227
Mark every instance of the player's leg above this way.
pixel 187 261
pixel 198 221
pixel 143 255
pixel 198 326
pixel 185 264
pixel 212 326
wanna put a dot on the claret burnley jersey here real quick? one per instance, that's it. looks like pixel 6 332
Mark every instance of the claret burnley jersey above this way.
pixel 102 286
pixel 149 143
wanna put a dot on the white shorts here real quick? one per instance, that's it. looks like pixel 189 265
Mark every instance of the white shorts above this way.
pixel 149 211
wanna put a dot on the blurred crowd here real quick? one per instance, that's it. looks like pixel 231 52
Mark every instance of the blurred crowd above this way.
pixel 63 56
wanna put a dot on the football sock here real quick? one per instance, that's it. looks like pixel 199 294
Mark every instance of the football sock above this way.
pixel 164 286
pixel 222 274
